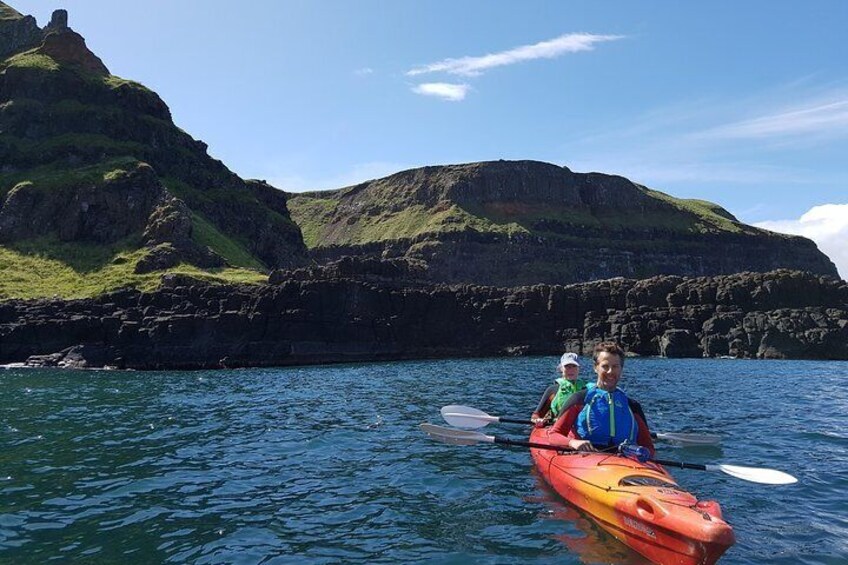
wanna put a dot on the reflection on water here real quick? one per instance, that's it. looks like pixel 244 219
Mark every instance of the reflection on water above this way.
pixel 590 543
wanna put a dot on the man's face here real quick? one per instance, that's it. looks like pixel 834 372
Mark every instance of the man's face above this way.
pixel 608 369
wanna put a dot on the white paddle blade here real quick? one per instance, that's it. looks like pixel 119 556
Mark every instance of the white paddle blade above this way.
pixel 755 474
pixel 691 439
pixel 454 437
pixel 466 417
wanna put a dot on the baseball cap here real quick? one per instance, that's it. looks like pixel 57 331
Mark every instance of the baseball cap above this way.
pixel 568 359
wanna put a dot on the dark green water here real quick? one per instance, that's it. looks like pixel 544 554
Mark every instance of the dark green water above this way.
pixel 326 464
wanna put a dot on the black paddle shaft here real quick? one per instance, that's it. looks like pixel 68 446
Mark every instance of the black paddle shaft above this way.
pixel 515 421
pixel 562 449
pixel 531 422
pixel 681 464
pixel 505 441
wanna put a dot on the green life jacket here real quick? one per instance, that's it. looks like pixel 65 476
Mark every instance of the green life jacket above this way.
pixel 566 389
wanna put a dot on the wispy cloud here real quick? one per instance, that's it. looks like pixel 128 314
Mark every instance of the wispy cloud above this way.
pixel 443 90
pixel 827 225
pixel 474 66
pixel 812 117
pixel 365 71
pixel 719 142
pixel 658 171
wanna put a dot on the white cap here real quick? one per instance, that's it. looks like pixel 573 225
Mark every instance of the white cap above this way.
pixel 568 359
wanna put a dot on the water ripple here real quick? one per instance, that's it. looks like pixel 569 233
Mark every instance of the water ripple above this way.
pixel 327 465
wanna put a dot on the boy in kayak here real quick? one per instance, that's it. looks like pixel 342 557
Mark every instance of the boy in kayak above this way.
pixel 602 416
pixel 557 393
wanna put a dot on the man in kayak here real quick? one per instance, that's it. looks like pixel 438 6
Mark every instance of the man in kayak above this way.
pixel 602 417
pixel 550 406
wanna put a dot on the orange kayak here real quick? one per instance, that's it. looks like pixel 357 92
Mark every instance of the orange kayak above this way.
pixel 638 503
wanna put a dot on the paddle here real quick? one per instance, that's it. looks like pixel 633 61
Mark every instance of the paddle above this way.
pixel 752 474
pixel 471 418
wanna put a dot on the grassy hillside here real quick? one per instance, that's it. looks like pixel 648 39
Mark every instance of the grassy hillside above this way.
pixel 315 218
pixel 45 268
pixel 369 213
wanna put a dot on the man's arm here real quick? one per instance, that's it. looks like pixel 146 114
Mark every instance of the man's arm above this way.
pixel 644 436
pixel 636 408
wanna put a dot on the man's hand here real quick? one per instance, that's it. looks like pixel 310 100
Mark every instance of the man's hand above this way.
pixel 581 445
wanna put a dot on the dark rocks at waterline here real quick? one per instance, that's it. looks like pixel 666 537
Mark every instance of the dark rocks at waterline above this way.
pixel 376 311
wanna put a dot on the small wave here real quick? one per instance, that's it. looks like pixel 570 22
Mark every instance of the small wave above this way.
pixel 375 424
pixel 826 436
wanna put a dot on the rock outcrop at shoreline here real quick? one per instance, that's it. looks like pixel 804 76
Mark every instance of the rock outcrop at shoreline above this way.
pixel 368 310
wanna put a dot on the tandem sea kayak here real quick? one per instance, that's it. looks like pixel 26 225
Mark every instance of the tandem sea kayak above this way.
pixel 638 503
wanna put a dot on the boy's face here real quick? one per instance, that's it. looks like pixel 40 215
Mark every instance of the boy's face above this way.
pixel 570 372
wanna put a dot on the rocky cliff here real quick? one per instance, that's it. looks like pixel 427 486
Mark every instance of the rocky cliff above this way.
pixel 365 310
pixel 90 158
pixel 524 222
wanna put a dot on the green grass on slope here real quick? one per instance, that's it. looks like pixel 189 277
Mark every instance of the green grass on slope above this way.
pixel 211 197
pixel 59 146
pixel 47 268
pixel 204 233
pixel 114 82
pixel 31 60
pixel 709 215
pixel 36 59
pixel 56 177
pixel 691 216
pixel 314 216
pixel 322 223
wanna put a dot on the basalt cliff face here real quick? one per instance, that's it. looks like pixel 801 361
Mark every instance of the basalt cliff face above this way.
pixel 365 310
pixel 510 223
pixel 90 158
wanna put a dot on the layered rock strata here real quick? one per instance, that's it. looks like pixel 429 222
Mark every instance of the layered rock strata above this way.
pixel 358 310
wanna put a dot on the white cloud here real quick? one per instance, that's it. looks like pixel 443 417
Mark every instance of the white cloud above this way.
pixel 363 71
pixel 812 117
pixel 827 225
pixel 473 66
pixel 443 90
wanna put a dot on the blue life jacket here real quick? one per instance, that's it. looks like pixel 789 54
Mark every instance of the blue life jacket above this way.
pixel 606 418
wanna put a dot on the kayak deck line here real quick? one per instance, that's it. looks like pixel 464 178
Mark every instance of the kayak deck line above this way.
pixel 669 484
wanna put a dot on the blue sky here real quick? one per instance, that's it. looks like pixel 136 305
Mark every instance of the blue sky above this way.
pixel 741 103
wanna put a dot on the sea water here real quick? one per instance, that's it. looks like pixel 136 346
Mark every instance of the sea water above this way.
pixel 327 464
